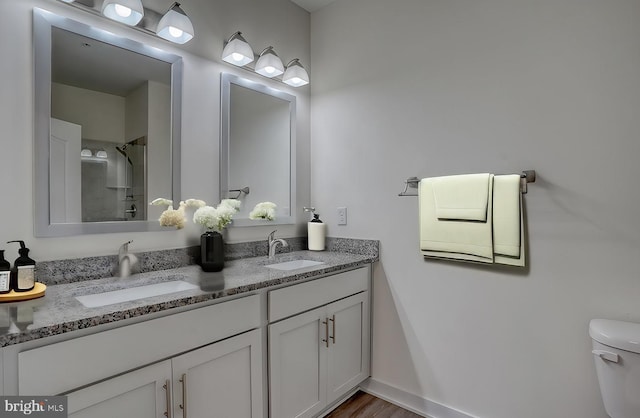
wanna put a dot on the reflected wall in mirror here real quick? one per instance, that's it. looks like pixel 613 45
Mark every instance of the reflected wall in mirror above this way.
pixel 258 148
pixel 107 129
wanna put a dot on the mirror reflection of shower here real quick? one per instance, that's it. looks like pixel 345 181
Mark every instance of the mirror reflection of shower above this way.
pixel 113 180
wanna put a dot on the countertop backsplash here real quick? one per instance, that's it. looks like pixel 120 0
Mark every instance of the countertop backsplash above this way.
pixel 91 268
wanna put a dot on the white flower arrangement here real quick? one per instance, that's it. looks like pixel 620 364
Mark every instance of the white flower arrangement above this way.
pixel 263 210
pixel 208 216
pixel 217 218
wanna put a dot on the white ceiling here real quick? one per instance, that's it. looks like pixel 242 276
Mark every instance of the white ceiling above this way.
pixel 312 5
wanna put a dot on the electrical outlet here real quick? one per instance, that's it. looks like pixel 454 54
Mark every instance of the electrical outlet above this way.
pixel 342 215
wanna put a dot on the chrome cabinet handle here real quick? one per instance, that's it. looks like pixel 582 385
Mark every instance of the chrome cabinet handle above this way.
pixel 326 332
pixel 183 406
pixel 333 326
pixel 166 389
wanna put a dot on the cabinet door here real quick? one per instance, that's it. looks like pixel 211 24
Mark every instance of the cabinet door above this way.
pixel 143 393
pixel 348 354
pixel 220 380
pixel 297 365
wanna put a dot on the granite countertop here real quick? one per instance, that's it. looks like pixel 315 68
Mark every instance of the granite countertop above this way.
pixel 59 311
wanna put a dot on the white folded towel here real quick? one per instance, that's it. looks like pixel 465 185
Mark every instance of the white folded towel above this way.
pixel 508 221
pixel 463 197
pixel 506 215
pixel 456 239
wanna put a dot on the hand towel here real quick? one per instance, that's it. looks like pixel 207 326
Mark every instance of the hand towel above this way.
pixel 462 197
pixel 511 259
pixel 506 215
pixel 453 239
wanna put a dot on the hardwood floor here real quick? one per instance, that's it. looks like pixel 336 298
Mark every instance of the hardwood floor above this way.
pixel 363 405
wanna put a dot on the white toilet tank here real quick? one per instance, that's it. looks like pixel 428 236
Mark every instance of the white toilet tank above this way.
pixel 616 349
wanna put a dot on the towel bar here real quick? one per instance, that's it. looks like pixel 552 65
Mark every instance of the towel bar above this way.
pixel 527 176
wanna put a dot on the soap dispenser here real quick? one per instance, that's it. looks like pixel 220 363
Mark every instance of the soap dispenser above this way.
pixel 23 270
pixel 316 233
pixel 5 274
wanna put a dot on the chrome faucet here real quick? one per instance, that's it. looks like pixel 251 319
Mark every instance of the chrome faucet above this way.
pixel 273 244
pixel 127 262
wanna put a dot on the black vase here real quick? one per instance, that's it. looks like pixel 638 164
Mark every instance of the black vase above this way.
pixel 211 251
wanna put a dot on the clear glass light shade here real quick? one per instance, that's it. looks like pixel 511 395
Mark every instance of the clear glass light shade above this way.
pixel 237 51
pixel 129 12
pixel 269 64
pixel 101 154
pixel 295 75
pixel 175 26
pixel 86 152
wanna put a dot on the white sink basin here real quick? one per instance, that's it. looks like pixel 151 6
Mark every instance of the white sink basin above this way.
pixel 294 265
pixel 133 293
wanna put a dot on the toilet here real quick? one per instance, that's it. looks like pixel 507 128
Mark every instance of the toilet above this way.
pixel 616 350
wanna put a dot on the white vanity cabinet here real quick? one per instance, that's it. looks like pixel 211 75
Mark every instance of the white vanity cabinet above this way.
pixel 320 351
pixel 313 339
pixel 223 379
pixel 201 362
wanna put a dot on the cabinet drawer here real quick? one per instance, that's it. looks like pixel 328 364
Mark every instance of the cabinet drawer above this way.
pixel 63 366
pixel 298 298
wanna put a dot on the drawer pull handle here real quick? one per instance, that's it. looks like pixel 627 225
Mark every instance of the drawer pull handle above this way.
pixel 333 326
pixel 166 389
pixel 326 332
pixel 183 406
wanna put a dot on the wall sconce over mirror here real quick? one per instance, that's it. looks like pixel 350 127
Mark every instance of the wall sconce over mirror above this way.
pixel 269 64
pixel 238 52
pixel 174 26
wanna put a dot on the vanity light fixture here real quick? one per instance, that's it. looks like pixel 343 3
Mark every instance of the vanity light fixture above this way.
pixel 269 64
pixel 295 75
pixel 129 12
pixel 101 154
pixel 175 25
pixel 86 152
pixel 237 51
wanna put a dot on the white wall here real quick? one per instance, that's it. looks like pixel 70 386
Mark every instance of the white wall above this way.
pixel 101 115
pixel 263 22
pixel 435 87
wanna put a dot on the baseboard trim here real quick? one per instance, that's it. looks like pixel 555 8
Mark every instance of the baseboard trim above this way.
pixel 409 401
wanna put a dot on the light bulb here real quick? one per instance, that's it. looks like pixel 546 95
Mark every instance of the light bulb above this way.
pixel 269 69
pixel 237 57
pixel 175 32
pixel 123 11
pixel 296 80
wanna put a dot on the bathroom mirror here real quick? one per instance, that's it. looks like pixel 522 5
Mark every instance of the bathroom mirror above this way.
pixel 107 129
pixel 257 155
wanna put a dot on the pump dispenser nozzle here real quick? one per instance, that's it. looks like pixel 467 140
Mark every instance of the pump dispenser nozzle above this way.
pixel 23 248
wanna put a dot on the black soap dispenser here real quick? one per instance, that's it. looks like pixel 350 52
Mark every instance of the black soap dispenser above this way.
pixel 23 270
pixel 5 274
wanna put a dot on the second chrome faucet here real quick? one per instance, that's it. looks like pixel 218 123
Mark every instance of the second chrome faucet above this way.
pixel 273 244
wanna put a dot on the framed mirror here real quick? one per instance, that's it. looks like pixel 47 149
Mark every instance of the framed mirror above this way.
pixel 257 148
pixel 107 129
